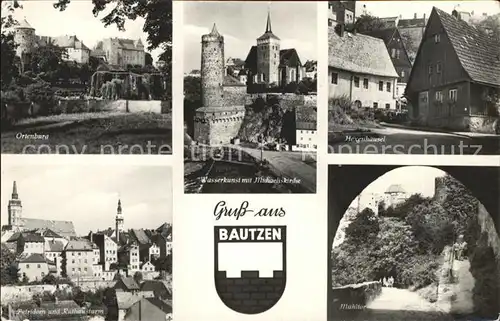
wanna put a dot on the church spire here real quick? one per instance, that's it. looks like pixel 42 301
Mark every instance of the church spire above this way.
pixel 214 31
pixel 268 25
pixel 119 209
pixel 15 196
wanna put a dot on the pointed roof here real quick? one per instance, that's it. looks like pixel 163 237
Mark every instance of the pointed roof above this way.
pixel 15 196
pixel 23 24
pixel 269 33
pixel 119 209
pixel 477 51
pixel 214 31
pixel 395 188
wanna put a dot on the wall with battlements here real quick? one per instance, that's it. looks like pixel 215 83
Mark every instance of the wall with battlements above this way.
pixel 216 126
pixel 235 95
pixel 250 293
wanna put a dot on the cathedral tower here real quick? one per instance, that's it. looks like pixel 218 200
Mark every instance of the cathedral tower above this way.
pixel 119 220
pixel 212 69
pixel 268 55
pixel 15 209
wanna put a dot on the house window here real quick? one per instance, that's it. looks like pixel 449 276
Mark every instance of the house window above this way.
pixel 335 78
pixel 393 52
pixel 365 83
pixel 387 106
pixel 42 274
pixel 438 67
pixel 27 266
pixel 356 82
pixel 430 69
pixel 388 85
pixel 397 53
pixel 452 95
pixel 375 105
pixel 439 96
pixel 380 85
pixel 437 38
pixel 402 73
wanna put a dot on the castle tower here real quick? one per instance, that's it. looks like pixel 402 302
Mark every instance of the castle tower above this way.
pixel 212 69
pixel 15 209
pixel 25 38
pixel 268 55
pixel 119 220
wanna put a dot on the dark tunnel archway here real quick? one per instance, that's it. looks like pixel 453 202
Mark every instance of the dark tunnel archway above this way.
pixel 346 182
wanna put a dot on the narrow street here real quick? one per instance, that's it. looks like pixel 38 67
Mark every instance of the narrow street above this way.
pixel 413 141
pixel 290 164
pixel 396 305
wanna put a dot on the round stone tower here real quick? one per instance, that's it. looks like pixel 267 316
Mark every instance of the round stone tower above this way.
pixel 212 69
pixel 25 38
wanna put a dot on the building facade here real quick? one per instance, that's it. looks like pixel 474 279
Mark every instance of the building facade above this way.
pixel 121 52
pixel 360 69
pixel 454 82
pixel 342 11
pixel 78 258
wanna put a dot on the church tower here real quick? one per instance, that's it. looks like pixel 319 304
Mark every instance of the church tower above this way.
pixel 268 55
pixel 212 69
pixel 15 209
pixel 119 220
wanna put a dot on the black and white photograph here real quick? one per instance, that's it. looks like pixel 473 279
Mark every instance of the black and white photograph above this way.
pixel 86 77
pixel 250 97
pixel 413 243
pixel 419 77
pixel 94 244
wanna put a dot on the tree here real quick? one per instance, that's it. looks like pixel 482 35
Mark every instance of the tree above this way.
pixel 138 277
pixel 367 23
pixel 149 59
pixel 8 47
pixel 363 228
pixel 491 26
pixel 49 279
pixel 9 273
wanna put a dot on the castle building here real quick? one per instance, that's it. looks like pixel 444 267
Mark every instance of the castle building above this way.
pixel 394 195
pixel 27 43
pixel 219 119
pixel 120 52
pixel 17 223
pixel 267 64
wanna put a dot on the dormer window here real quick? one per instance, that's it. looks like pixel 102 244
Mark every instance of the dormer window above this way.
pixel 437 38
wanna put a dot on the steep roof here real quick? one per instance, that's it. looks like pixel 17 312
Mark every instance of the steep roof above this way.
pixel 78 245
pixel 23 24
pixel 384 34
pixel 141 236
pixel 359 53
pixel 290 58
pixel 32 237
pixel 251 60
pixel 395 188
pixel 159 286
pixel 477 52
pixel 54 246
pixel 32 258
pixel 126 299
pixel 129 283
pixel 63 228
pixel 305 118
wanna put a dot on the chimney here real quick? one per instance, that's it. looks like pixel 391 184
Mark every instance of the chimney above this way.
pixel 424 19
pixel 340 28
pixel 454 13
pixel 414 16
pixel 472 13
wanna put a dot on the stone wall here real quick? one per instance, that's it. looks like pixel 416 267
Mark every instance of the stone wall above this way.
pixel 250 293
pixel 483 124
pixel 11 294
pixel 235 95
pixel 94 285
pixel 286 101
pixel 475 124
pixel 356 294
pixel 217 125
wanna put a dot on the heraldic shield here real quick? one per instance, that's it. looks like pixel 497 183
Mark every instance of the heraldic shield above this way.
pixel 250 266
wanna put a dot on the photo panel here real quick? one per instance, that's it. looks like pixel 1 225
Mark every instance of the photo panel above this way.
pixel 94 243
pixel 79 77
pixel 250 97
pixel 419 77
pixel 413 242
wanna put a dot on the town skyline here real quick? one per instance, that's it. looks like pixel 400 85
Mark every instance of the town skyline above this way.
pixel 407 9
pixel 91 204
pixel 88 29
pixel 250 19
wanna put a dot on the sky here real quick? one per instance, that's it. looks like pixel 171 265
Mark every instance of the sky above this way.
pixel 407 9
pixel 88 194
pixel 77 20
pixel 413 179
pixel 241 23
